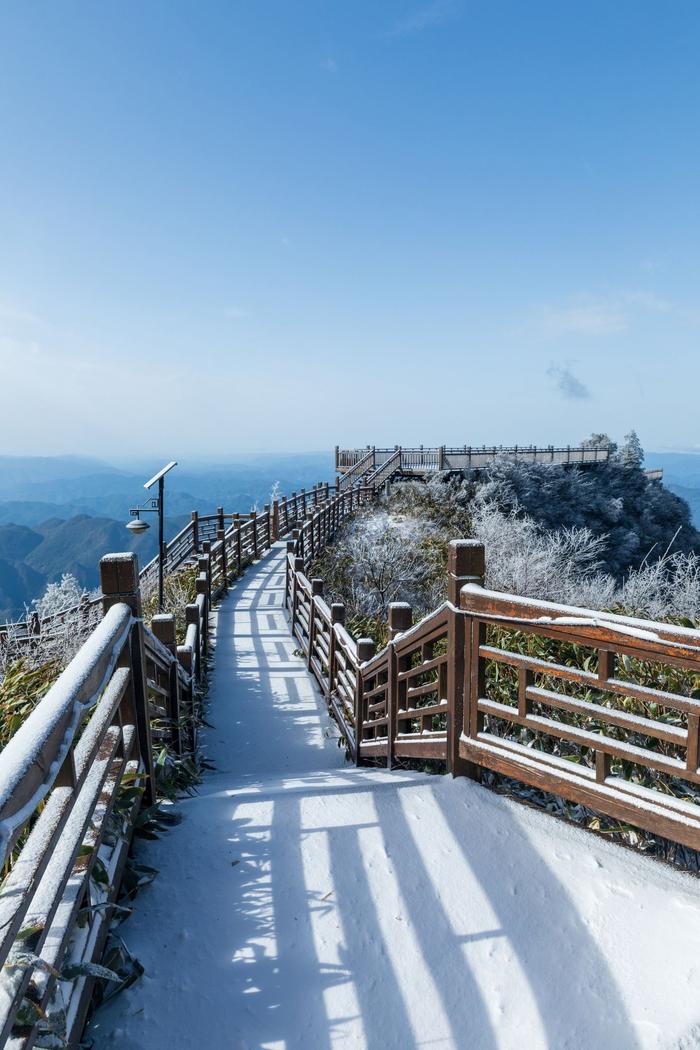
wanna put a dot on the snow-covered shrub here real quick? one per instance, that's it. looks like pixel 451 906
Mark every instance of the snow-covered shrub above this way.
pixel 378 559
pixel 58 597
pixel 668 588
pixel 521 558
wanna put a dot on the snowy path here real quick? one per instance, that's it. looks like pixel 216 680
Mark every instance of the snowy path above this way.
pixel 305 904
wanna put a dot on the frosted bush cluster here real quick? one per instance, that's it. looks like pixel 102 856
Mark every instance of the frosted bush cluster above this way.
pixel 560 566
pixel 376 561
pixel 398 553
pixel 64 625
pixel 59 596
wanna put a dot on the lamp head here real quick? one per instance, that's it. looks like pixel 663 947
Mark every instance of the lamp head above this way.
pixel 137 525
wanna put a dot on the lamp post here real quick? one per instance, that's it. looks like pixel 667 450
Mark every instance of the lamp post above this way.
pixel 154 505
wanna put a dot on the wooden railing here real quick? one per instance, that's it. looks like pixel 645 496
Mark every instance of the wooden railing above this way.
pixel 74 775
pixel 71 782
pixel 558 697
pixel 332 654
pixel 355 465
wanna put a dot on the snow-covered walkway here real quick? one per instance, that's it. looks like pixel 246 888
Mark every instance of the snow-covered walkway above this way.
pixel 305 904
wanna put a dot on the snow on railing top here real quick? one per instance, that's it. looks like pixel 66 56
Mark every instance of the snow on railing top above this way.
pixel 33 757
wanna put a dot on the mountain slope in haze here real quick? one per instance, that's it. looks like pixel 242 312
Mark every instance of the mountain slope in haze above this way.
pixel 34 489
pixel 681 475
pixel 18 585
pixel 32 558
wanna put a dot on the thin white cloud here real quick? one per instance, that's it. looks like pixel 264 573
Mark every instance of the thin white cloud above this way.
pixel 567 383
pixel 425 17
pixel 599 317
pixel 14 315
pixel 648 301
pixel 330 65
pixel 593 319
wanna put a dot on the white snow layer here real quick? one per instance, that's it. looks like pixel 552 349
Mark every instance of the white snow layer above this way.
pixel 303 903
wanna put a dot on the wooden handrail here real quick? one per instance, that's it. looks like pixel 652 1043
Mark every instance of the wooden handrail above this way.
pixel 427 693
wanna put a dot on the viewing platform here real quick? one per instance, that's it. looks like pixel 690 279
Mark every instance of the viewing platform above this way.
pixel 376 465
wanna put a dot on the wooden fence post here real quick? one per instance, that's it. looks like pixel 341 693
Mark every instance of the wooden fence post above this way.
pixel 316 591
pixel 400 619
pixel 184 658
pixel 220 517
pixel 204 564
pixel 298 567
pixel 466 563
pixel 119 582
pixel 311 551
pixel 268 529
pixel 337 616
pixel 203 586
pixel 254 519
pixel 237 523
pixel 275 520
pixel 365 652
pixel 192 616
pixel 163 627
pixel 195 531
pixel 287 574
pixel 221 537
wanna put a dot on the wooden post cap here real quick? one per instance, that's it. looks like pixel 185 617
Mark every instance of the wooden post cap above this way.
pixel 400 617
pixel 291 546
pixel 337 612
pixel 163 627
pixel 466 563
pixel 365 649
pixel 316 586
pixel 466 558
pixel 119 573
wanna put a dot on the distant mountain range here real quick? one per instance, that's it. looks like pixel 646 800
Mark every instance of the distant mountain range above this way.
pixel 61 514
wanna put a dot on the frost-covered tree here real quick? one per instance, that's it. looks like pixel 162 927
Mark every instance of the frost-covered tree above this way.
pixel 631 454
pixel 59 596
pixel 600 441
pixel 378 559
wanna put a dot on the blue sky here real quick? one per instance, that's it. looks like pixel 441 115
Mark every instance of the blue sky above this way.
pixel 286 225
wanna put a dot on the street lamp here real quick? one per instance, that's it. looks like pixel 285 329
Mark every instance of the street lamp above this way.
pixel 154 505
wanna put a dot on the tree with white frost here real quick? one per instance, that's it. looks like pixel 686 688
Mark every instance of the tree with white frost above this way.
pixel 58 597
pixel 631 454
